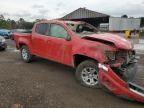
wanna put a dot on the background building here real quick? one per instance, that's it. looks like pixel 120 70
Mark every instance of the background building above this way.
pixel 83 14
pixel 103 21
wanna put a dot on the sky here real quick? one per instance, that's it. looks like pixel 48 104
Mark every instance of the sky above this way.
pixel 31 10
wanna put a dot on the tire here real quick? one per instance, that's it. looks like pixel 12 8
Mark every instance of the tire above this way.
pixel 25 54
pixel 129 72
pixel 3 49
pixel 87 74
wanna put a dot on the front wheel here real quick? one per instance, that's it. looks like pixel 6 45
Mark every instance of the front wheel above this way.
pixel 25 54
pixel 87 73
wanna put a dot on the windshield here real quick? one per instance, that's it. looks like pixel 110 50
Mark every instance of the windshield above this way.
pixel 82 28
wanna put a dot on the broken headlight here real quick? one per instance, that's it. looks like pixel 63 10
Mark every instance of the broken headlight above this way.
pixel 128 56
pixel 111 55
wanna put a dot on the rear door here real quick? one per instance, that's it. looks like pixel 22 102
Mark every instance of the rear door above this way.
pixel 58 47
pixel 39 39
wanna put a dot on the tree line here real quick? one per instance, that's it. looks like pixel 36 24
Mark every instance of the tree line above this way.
pixel 12 24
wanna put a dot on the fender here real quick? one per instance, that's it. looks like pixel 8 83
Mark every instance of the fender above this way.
pixel 91 52
pixel 26 42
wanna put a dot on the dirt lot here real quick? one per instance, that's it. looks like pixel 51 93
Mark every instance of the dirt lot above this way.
pixel 45 84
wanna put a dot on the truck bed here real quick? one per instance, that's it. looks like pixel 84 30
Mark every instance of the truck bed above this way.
pixel 22 37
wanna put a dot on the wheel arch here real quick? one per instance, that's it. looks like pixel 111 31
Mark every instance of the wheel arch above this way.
pixel 22 44
pixel 25 44
pixel 78 58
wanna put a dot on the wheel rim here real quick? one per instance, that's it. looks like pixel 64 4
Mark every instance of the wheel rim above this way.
pixel 24 54
pixel 90 76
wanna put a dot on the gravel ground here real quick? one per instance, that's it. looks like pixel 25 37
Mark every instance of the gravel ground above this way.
pixel 46 84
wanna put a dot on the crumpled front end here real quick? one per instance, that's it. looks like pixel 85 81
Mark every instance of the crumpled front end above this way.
pixel 123 63
pixel 117 77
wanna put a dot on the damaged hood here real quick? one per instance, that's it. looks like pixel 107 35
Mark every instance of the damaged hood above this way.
pixel 118 41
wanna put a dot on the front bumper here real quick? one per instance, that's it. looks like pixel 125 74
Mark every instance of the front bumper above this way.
pixel 119 87
pixel 3 46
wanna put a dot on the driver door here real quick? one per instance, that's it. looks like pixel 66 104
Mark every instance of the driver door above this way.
pixel 60 47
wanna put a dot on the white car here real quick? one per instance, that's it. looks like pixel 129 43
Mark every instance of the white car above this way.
pixel 3 44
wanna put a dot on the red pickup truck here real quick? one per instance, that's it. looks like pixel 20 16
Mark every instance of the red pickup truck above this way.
pixel 100 59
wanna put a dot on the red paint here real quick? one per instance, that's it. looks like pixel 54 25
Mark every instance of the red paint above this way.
pixel 117 86
pixel 63 51
pixel 117 40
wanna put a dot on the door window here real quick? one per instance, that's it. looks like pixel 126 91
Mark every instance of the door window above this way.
pixel 42 28
pixel 58 31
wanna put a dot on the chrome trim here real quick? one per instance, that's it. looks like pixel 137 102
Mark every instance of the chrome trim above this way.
pixel 102 66
pixel 141 94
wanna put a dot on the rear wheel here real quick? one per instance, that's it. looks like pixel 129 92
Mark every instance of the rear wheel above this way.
pixel 25 54
pixel 87 73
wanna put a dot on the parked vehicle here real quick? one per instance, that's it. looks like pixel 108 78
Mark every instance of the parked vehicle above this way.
pixel 118 24
pixel 3 44
pixel 100 59
pixel 5 33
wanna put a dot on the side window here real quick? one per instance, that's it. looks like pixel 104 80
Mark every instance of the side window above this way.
pixel 42 28
pixel 58 31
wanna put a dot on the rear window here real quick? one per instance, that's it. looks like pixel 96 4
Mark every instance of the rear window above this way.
pixel 42 28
